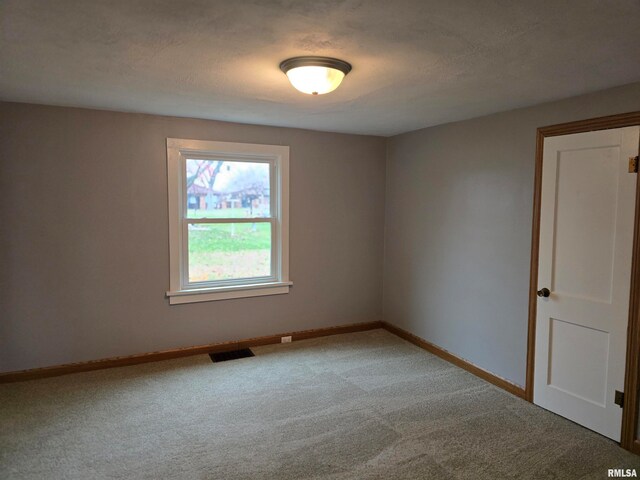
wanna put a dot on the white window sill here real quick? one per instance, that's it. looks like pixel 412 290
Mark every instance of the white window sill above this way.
pixel 224 293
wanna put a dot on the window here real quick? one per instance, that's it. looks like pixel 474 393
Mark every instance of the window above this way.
pixel 228 220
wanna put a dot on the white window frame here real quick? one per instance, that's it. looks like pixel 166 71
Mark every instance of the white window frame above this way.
pixel 180 290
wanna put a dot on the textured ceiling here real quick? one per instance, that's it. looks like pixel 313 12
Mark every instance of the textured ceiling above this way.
pixel 416 63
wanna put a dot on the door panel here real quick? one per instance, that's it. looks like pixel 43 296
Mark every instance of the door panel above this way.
pixel 586 235
pixel 578 358
pixel 586 203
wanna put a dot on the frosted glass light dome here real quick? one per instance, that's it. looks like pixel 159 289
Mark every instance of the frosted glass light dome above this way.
pixel 315 75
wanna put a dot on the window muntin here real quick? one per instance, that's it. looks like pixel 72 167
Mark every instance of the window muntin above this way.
pixel 228 206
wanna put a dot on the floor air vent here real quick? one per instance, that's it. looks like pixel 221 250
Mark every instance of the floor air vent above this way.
pixel 232 355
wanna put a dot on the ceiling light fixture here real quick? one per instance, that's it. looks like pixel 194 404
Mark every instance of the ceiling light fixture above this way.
pixel 315 75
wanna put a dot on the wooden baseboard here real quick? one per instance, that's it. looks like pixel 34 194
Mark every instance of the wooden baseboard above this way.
pixel 66 369
pixel 516 390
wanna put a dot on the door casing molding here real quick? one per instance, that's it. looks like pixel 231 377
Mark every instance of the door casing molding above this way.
pixel 632 371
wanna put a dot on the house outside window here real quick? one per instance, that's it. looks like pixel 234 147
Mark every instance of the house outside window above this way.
pixel 228 220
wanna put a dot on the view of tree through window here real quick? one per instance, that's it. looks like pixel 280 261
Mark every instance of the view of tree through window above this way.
pixel 228 190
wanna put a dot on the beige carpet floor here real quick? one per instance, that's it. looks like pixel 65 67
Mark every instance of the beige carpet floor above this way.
pixel 359 406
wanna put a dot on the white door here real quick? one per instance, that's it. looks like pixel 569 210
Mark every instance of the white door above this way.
pixel 586 237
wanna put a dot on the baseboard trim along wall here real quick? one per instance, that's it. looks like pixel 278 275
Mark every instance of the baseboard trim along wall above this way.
pixel 124 361
pixel 510 387
pixel 58 370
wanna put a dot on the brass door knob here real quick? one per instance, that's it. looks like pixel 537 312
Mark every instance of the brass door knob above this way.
pixel 544 292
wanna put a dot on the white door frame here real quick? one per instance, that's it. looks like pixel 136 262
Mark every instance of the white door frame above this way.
pixel 630 409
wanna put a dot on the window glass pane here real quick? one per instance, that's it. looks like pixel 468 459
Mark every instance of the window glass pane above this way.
pixel 224 251
pixel 220 189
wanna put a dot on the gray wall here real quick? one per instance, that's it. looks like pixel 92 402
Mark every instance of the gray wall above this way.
pixel 84 236
pixel 459 201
